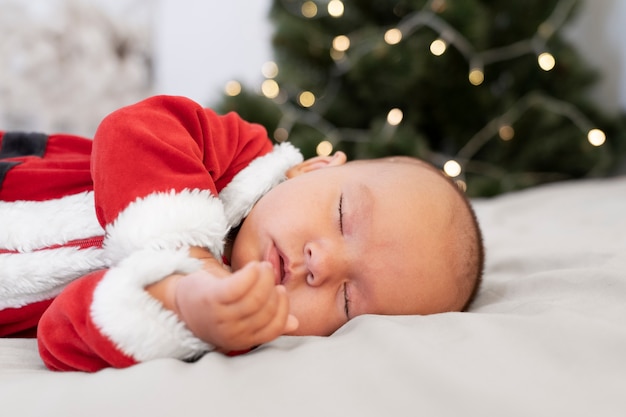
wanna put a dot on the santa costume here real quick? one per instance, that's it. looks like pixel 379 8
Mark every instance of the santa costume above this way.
pixel 86 225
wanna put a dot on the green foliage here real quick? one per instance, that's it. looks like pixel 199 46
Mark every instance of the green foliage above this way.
pixel 442 110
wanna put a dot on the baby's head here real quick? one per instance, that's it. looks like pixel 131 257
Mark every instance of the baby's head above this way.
pixel 388 236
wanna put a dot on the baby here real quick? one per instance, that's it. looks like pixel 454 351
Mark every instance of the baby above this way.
pixel 333 241
pixel 389 236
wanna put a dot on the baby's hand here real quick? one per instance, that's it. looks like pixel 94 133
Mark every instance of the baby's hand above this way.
pixel 236 312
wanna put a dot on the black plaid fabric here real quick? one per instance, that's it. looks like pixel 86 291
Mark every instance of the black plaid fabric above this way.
pixel 20 144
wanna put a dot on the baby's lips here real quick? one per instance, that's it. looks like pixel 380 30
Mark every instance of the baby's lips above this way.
pixel 273 259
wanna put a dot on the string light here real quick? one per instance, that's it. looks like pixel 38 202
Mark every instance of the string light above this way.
pixel 309 9
pixel 335 8
pixel 269 69
pixel 393 36
pixel 394 117
pixel 438 6
pixel 546 61
pixel 517 110
pixel 337 55
pixel 281 134
pixel 324 148
pixel 438 47
pixel 476 76
pixel 270 89
pixel 341 43
pixel 306 99
pixel 461 184
pixel 596 137
pixel 232 88
pixel 506 132
pixel 452 168
pixel 501 126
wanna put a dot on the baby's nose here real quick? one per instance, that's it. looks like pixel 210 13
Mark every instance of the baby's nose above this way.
pixel 323 264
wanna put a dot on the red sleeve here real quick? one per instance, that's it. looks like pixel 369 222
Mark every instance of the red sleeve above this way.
pixel 106 319
pixel 167 174
pixel 68 344
pixel 168 143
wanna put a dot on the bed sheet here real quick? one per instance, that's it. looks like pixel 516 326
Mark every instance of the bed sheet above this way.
pixel 546 337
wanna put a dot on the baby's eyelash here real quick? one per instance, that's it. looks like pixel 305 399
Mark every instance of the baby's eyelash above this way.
pixel 346 300
pixel 341 213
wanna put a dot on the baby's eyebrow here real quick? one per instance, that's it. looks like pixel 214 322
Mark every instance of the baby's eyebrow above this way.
pixel 366 195
pixel 362 204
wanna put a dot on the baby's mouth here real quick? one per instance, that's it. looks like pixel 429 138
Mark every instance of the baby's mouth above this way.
pixel 283 265
pixel 281 268
pixel 275 257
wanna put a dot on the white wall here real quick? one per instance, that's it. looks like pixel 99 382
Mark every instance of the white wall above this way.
pixel 600 32
pixel 202 44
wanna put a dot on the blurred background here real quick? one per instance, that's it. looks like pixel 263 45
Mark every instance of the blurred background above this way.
pixel 501 95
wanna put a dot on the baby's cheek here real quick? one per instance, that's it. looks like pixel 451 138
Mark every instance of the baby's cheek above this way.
pixel 313 324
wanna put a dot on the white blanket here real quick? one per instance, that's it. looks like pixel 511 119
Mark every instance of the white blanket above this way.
pixel 547 337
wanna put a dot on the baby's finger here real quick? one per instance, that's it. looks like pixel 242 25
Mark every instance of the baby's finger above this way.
pixel 261 298
pixel 238 285
pixel 277 323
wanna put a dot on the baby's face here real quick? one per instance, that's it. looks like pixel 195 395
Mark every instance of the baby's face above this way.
pixel 366 237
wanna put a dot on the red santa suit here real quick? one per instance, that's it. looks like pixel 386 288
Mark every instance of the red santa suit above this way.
pixel 86 226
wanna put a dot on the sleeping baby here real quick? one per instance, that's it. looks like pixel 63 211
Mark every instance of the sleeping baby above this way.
pixel 177 232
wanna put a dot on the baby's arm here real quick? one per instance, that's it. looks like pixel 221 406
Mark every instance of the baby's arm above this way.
pixel 199 175
pixel 214 311
pixel 231 311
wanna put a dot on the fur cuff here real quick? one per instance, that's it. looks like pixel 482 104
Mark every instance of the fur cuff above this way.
pixel 260 176
pixel 168 221
pixel 27 278
pixel 137 323
pixel 29 225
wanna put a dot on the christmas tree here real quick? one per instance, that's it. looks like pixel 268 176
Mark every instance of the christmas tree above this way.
pixel 487 90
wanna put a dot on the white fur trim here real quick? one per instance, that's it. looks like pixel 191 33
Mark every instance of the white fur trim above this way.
pixel 30 225
pixel 26 278
pixel 137 323
pixel 260 176
pixel 168 221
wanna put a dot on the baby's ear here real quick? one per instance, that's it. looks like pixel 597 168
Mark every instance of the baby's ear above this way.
pixel 339 158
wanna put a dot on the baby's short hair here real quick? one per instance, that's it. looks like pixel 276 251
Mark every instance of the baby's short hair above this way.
pixel 475 252
pixel 470 254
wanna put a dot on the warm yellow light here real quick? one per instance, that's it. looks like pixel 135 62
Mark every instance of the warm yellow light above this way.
pixel 324 148
pixel 476 76
pixel 394 117
pixel 452 168
pixel 546 61
pixel 393 36
pixel 438 47
pixel 335 8
pixel 336 55
pixel 269 69
pixel 545 30
pixel 596 137
pixel 270 88
pixel 281 134
pixel 306 99
pixel 341 43
pixel 309 9
pixel 506 132
pixel 438 6
pixel 232 88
